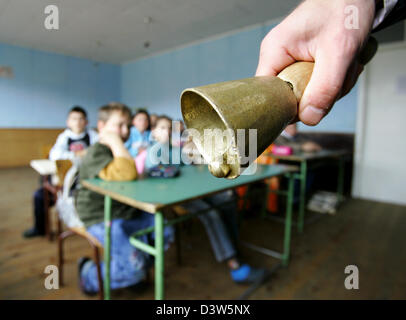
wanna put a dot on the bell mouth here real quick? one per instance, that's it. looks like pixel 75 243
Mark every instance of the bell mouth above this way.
pixel 199 112
pixel 202 118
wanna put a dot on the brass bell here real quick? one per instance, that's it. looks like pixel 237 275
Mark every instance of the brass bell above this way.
pixel 267 104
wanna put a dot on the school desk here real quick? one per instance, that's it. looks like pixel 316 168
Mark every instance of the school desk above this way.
pixel 313 160
pixel 156 194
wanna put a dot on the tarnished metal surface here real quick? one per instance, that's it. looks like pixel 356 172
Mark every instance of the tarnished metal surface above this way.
pixel 267 104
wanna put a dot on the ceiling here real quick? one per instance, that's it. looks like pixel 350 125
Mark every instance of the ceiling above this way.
pixel 116 31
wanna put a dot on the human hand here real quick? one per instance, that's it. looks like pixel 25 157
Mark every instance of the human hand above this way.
pixel 310 146
pixel 316 31
pixel 115 143
pixel 110 139
pixel 80 153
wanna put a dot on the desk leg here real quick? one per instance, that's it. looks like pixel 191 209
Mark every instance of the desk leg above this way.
pixel 107 246
pixel 340 181
pixel 264 208
pixel 288 221
pixel 159 256
pixel 302 204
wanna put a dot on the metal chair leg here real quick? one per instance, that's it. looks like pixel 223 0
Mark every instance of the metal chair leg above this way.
pixel 59 230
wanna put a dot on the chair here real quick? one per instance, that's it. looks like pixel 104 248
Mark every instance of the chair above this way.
pixel 68 215
pixel 51 188
pixel 45 150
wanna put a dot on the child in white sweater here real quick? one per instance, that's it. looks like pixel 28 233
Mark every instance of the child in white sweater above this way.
pixel 70 144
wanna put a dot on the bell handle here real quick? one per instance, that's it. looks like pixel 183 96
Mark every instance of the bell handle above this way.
pixel 297 75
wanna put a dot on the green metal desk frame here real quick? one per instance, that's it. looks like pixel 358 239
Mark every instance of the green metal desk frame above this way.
pixel 339 157
pixel 302 177
pixel 158 250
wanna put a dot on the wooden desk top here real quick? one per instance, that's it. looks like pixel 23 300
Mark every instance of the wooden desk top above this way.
pixel 155 194
pixel 304 156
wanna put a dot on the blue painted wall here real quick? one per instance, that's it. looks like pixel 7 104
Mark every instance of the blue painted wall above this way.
pixel 46 85
pixel 156 82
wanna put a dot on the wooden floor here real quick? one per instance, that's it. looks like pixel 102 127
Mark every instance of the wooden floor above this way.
pixel 367 234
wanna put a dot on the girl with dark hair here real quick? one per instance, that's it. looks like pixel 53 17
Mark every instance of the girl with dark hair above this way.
pixel 139 138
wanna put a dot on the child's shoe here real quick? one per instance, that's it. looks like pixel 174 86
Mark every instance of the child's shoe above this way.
pixel 33 232
pixel 246 274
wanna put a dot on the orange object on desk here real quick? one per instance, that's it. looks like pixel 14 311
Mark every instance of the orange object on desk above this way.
pixel 273 184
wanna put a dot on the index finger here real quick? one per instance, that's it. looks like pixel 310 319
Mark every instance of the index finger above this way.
pixel 273 58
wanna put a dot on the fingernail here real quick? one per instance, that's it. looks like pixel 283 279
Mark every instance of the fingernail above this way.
pixel 312 115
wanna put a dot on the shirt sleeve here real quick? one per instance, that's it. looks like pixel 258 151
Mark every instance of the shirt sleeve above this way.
pixel 97 157
pixel 133 151
pixel 387 13
pixel 60 149
pixel 120 169
pixel 127 144
pixel 94 137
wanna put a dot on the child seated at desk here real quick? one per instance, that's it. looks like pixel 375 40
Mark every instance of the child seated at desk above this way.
pixel 139 138
pixel 216 225
pixel 70 144
pixel 110 160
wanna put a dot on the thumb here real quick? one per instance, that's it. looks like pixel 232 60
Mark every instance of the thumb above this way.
pixel 324 87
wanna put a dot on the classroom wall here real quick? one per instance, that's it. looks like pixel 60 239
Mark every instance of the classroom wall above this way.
pixel 35 102
pixel 20 146
pixel 46 85
pixel 156 82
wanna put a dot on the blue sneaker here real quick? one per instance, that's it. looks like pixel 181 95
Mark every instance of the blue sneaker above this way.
pixel 246 274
